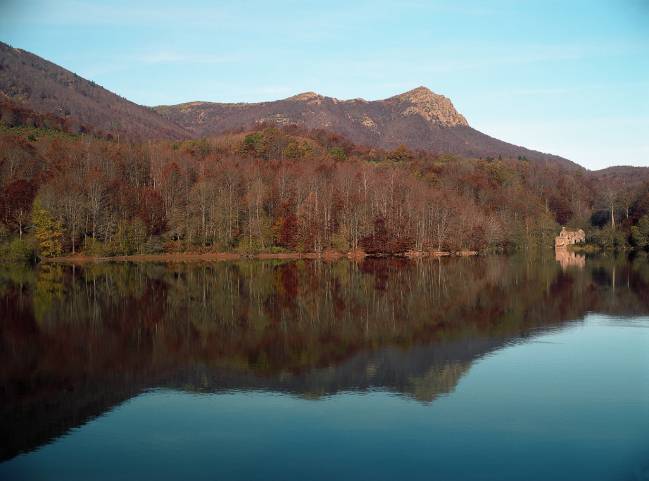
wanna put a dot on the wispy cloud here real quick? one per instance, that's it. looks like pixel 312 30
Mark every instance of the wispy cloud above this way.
pixel 85 13
pixel 571 90
pixel 171 56
pixel 452 7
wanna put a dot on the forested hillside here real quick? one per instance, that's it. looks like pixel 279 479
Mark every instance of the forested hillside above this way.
pixel 84 106
pixel 275 190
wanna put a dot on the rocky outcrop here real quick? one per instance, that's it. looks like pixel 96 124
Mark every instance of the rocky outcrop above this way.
pixel 430 106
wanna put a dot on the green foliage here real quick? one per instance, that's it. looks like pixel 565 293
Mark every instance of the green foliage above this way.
pixel 34 134
pixel 272 143
pixel 94 247
pixel 295 150
pixel 609 238
pixel 200 148
pixel 340 242
pixel 18 250
pixel 292 151
pixel 248 246
pixel 536 233
pixel 254 143
pixel 640 233
pixel 48 232
pixel 129 238
pixel 338 153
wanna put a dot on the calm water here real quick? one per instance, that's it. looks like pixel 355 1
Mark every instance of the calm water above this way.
pixel 458 369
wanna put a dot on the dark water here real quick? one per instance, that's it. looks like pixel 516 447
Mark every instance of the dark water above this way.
pixel 459 369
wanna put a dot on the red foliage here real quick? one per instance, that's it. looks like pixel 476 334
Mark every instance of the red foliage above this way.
pixel 17 198
pixel 151 210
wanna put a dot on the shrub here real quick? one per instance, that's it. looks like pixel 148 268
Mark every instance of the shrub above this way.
pixel 19 250
pixel 640 233
pixel 94 247
pixel 338 153
pixel 153 245
pixel 609 238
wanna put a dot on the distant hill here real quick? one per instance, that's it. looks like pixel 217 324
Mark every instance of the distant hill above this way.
pixel 47 88
pixel 623 175
pixel 418 119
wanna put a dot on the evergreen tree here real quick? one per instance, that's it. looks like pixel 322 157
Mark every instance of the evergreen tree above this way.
pixel 640 232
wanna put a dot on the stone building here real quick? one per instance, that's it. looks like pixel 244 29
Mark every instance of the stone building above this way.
pixel 568 236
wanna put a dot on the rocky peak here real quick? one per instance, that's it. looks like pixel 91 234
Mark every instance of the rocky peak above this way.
pixel 306 97
pixel 417 95
pixel 429 105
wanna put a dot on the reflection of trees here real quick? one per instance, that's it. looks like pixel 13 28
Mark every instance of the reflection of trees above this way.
pixel 75 341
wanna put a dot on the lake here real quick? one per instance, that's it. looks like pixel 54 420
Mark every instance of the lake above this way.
pixel 483 368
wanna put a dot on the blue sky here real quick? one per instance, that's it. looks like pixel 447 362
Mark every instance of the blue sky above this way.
pixel 568 77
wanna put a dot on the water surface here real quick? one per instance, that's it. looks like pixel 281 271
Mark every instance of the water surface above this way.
pixel 455 369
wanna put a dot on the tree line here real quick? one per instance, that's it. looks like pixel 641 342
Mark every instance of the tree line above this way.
pixel 275 190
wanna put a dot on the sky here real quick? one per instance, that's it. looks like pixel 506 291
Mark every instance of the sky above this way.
pixel 567 77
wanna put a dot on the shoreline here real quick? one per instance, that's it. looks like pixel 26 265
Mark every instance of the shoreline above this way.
pixel 177 257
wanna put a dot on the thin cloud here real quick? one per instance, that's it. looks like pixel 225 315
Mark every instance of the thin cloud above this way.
pixel 85 13
pixel 170 56
pixel 552 91
pixel 450 7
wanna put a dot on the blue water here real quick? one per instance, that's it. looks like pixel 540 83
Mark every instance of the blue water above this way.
pixel 566 404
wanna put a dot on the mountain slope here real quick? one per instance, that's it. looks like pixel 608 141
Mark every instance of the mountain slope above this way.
pixel 419 119
pixel 49 89
pixel 627 176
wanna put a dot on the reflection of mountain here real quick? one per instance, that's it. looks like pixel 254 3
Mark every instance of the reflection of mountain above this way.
pixel 421 372
pixel 74 342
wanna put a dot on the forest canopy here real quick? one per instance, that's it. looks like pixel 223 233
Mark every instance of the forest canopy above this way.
pixel 289 189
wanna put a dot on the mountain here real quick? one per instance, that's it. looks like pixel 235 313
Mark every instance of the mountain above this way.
pixel 418 119
pixel 625 177
pixel 46 88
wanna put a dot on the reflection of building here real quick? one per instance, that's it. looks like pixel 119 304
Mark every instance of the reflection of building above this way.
pixel 569 259
pixel 568 236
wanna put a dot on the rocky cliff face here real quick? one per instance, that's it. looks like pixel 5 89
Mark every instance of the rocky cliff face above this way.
pixel 359 117
pixel 432 107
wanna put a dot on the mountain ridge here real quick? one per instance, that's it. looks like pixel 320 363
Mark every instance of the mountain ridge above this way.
pixel 419 119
